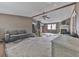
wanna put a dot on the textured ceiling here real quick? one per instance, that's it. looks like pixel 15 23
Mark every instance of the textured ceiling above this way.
pixel 28 9
pixel 58 15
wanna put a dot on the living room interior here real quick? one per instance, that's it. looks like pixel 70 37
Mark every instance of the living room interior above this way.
pixel 39 29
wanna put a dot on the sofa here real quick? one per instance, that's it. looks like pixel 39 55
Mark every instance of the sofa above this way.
pixel 11 36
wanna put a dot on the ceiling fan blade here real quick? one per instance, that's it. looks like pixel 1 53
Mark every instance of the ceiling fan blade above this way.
pixel 48 17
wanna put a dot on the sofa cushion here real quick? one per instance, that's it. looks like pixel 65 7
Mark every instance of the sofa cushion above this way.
pixel 15 35
pixel 7 37
pixel 11 36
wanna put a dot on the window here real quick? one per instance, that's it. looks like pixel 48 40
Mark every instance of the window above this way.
pixel 51 26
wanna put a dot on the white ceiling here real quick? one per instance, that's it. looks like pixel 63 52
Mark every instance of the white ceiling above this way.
pixel 58 15
pixel 28 9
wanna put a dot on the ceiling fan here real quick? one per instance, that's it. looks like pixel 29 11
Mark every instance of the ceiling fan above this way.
pixel 45 16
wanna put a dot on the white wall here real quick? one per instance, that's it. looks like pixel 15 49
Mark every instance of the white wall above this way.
pixel 73 23
pixel 77 10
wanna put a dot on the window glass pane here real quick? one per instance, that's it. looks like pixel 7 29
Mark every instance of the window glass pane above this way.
pixel 49 26
pixel 53 26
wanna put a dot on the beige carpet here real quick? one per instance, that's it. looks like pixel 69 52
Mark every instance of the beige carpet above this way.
pixel 31 47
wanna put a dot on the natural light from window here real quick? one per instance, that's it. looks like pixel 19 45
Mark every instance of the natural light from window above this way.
pixel 51 26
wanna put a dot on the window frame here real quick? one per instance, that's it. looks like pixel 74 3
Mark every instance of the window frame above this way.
pixel 51 26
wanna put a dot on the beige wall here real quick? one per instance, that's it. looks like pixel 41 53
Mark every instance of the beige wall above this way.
pixel 10 22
